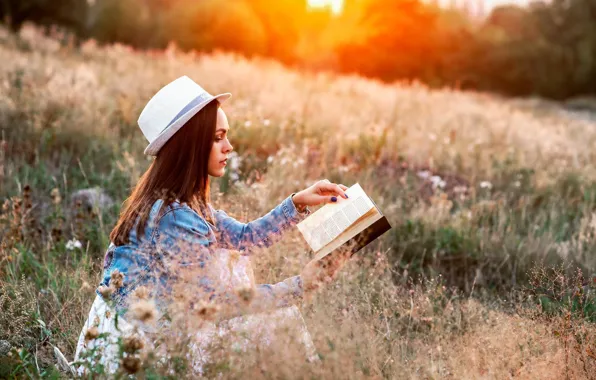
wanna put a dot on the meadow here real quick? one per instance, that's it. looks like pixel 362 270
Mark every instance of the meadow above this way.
pixel 489 271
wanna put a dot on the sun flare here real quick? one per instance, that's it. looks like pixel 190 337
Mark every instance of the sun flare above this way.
pixel 336 5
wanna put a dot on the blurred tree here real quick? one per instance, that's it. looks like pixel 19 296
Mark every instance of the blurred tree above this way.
pixel 283 23
pixel 125 21
pixel 547 49
pixel 71 14
pixel 210 24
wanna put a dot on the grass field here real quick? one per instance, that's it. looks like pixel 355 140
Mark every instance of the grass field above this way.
pixel 487 273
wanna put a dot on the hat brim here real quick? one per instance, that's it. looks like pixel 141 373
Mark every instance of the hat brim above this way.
pixel 153 148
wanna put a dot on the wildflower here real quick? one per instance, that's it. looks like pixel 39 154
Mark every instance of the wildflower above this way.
pixel 72 244
pixel 132 344
pixel 247 123
pixel 438 182
pixel 116 279
pixel 206 310
pixel 143 311
pixel 266 122
pixel 131 364
pixel 246 294
pixel 423 174
pixel 269 159
pixel 105 291
pixel 91 333
pixel 486 185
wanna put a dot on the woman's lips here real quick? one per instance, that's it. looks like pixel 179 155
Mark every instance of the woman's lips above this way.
pixel 224 162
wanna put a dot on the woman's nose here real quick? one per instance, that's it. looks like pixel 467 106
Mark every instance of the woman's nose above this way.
pixel 229 147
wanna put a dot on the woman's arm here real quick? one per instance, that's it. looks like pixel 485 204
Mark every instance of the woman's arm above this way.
pixel 268 229
pixel 262 232
pixel 182 240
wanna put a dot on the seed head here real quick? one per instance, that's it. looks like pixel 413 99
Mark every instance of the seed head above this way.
pixel 55 194
pixel 106 291
pixel 207 311
pixel 246 294
pixel 91 333
pixel 131 364
pixel 143 311
pixel 132 344
pixel 116 279
pixel 141 293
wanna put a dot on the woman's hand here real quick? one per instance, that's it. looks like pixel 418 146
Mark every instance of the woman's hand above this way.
pixel 321 192
pixel 323 271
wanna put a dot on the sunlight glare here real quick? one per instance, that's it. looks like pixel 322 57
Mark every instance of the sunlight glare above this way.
pixel 336 5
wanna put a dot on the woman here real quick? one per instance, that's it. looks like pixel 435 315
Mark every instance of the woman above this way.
pixel 170 244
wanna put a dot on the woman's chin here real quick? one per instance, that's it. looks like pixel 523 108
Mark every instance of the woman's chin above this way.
pixel 218 173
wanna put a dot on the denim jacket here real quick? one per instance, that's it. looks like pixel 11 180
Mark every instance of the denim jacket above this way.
pixel 179 238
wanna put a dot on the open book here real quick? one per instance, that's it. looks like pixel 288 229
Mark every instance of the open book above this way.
pixel 350 223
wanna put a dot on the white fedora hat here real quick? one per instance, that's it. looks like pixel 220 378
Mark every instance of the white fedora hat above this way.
pixel 171 108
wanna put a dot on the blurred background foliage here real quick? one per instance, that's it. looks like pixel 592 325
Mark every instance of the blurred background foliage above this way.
pixel 545 49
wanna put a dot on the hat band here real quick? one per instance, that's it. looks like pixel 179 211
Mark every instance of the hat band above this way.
pixel 195 102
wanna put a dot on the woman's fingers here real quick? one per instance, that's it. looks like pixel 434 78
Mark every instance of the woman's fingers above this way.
pixel 328 188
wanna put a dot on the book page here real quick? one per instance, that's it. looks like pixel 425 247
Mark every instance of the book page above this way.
pixel 367 220
pixel 327 223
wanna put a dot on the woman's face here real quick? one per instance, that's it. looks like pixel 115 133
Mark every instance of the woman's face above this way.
pixel 221 146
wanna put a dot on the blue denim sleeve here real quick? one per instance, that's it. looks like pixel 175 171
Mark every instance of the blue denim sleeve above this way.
pixel 262 232
pixel 184 236
pixel 181 227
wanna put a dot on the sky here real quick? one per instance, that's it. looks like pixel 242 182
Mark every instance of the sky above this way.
pixel 336 5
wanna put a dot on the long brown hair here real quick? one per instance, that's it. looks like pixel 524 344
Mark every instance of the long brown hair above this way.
pixel 180 171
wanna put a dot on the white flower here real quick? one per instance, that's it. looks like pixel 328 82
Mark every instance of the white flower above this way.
pixel 266 122
pixel 432 137
pixel 269 159
pixel 438 182
pixel 424 174
pixel 247 123
pixel 72 244
pixel 486 185
pixel 517 183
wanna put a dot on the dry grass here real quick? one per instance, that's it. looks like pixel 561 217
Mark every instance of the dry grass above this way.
pixel 68 121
